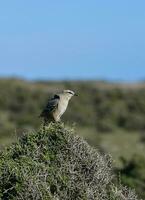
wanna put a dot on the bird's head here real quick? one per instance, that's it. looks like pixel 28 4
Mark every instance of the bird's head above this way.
pixel 69 93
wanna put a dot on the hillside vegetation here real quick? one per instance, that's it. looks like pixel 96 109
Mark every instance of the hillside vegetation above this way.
pixel 109 116
pixel 101 105
pixel 56 164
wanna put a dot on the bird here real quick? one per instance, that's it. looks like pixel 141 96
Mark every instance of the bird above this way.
pixel 56 106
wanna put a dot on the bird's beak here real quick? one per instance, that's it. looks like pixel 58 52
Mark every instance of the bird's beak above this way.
pixel 76 95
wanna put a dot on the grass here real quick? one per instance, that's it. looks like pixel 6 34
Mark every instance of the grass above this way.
pixel 90 135
pixel 122 144
pixel 7 140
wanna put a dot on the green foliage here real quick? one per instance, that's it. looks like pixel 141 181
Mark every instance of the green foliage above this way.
pixel 120 108
pixel 133 174
pixel 56 164
pixel 100 105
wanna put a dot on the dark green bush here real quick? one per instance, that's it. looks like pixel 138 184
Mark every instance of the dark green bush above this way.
pixel 133 174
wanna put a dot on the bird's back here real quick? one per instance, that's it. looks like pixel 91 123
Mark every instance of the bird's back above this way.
pixel 51 106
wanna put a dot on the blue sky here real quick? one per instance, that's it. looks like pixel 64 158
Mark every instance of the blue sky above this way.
pixel 97 39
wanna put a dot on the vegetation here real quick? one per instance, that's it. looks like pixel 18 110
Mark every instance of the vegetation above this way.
pixel 109 116
pixel 133 173
pixel 103 106
pixel 56 164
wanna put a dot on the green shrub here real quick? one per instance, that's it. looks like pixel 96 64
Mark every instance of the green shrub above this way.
pixel 56 164
pixel 133 174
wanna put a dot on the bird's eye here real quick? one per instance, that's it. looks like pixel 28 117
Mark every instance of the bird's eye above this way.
pixel 70 93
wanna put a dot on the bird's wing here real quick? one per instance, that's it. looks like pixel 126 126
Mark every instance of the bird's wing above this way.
pixel 51 105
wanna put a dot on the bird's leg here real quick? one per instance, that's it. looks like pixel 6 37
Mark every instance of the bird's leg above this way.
pixel 59 121
pixel 44 125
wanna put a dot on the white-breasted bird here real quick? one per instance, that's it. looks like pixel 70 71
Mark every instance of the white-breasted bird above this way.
pixel 56 106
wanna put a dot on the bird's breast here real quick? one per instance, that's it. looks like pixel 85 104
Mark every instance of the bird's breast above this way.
pixel 62 106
